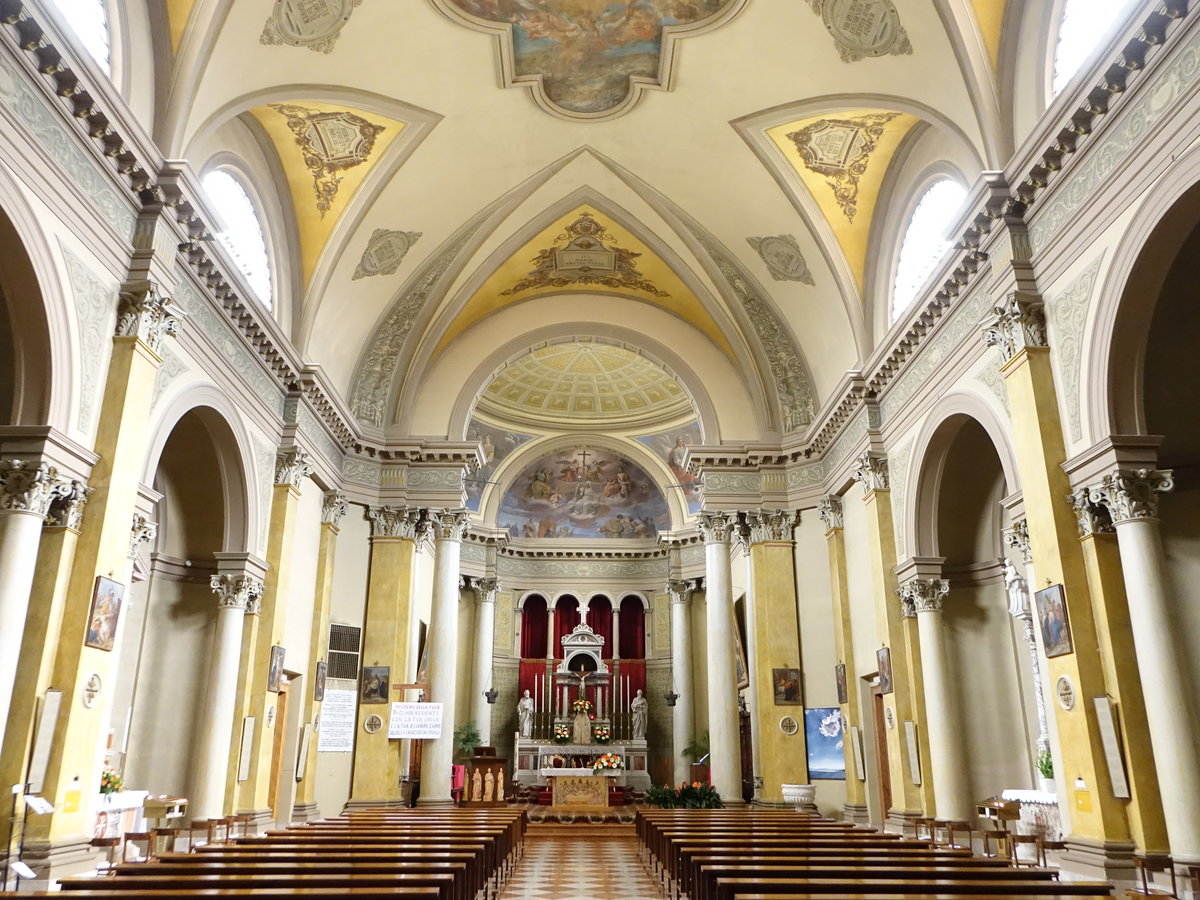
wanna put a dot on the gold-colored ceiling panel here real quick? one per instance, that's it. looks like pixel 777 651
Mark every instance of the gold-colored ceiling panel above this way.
pixel 989 14
pixel 326 151
pixel 842 160
pixel 610 383
pixel 178 13
pixel 585 251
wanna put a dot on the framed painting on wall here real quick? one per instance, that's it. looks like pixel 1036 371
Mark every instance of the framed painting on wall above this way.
pixel 107 597
pixel 823 737
pixel 786 684
pixel 374 688
pixel 275 672
pixel 319 681
pixel 839 674
pixel 884 657
pixel 743 674
pixel 1052 617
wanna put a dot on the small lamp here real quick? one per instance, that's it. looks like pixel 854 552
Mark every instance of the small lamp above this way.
pixel 671 697
pixel 491 694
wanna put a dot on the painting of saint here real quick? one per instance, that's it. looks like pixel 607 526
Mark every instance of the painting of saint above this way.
pixel 786 684
pixel 275 670
pixel 1052 616
pixel 672 446
pixel 374 687
pixel 497 443
pixel 104 614
pixel 884 658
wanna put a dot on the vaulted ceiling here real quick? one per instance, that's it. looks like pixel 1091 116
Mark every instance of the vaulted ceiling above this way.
pixel 450 184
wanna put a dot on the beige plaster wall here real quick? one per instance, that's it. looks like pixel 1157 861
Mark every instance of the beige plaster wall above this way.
pixel 1180 515
pixel 858 583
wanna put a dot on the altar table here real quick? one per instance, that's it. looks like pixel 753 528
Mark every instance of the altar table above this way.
pixel 577 788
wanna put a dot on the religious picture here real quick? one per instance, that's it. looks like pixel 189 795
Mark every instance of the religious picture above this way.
pixel 823 736
pixel 375 684
pixel 839 674
pixel 497 443
pixel 884 656
pixel 106 610
pixel 319 681
pixel 743 675
pixel 786 683
pixel 673 446
pixel 1052 616
pixel 275 672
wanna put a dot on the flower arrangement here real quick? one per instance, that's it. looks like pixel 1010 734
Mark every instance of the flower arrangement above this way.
pixel 601 734
pixel 607 764
pixel 110 782
pixel 1045 764
pixel 562 734
pixel 686 796
pixel 581 704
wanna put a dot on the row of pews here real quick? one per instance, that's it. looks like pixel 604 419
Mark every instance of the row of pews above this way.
pixel 373 854
pixel 783 855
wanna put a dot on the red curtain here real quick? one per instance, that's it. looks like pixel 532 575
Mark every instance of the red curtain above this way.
pixel 526 679
pixel 566 617
pixel 533 628
pixel 633 629
pixel 635 671
pixel 599 618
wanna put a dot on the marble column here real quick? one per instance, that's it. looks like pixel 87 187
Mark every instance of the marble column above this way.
pixel 236 594
pixel 26 492
pixel 1021 609
pixel 725 761
pixel 923 598
pixel 485 635
pixel 438 755
pixel 615 649
pixel 683 721
pixel 1131 497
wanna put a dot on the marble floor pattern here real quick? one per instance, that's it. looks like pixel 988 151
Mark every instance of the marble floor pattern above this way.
pixel 587 867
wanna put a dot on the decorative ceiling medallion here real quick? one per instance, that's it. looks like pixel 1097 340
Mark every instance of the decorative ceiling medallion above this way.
pixel 315 24
pixel 580 256
pixel 841 149
pixel 862 28
pixel 589 59
pixel 782 257
pixel 331 142
pixel 385 251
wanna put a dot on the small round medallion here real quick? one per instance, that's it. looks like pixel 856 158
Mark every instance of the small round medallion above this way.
pixel 1065 692
pixel 270 716
pixel 889 716
pixel 91 691
pixel 372 724
pixel 788 725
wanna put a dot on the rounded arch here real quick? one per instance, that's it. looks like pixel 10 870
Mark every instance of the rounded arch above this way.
pixel 39 324
pixel 267 216
pixel 234 457
pixel 1125 305
pixel 934 443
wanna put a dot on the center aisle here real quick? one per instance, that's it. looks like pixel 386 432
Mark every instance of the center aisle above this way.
pixel 580 863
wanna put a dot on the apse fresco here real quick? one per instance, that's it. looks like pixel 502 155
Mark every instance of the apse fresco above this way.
pixel 672 446
pixel 587 50
pixel 583 492
pixel 498 443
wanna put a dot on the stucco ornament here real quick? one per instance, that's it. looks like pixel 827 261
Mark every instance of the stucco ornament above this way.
pixel 783 258
pixel 315 24
pixel 863 28
pixel 385 251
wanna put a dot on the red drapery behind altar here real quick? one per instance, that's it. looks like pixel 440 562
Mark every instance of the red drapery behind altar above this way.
pixel 566 617
pixel 599 619
pixel 533 671
pixel 633 629
pixel 533 628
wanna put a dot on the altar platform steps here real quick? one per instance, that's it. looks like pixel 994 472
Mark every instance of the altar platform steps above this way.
pixel 579 831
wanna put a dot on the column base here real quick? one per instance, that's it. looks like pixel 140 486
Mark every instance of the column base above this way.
pixel 356 805
pixel 856 813
pixel 902 821
pixel 57 859
pixel 305 812
pixel 434 803
pixel 1104 860
pixel 260 820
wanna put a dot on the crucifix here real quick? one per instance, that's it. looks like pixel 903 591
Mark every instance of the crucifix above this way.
pixel 583 469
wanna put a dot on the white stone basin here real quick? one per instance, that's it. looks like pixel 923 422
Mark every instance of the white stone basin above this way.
pixel 800 795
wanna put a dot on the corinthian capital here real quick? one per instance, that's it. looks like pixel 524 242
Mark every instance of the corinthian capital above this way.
pixel 237 591
pixel 66 509
pixel 924 594
pixel 831 512
pixel 1016 538
pixel 449 524
pixel 143 532
pixel 485 589
pixel 771 525
pixel 871 471
pixel 28 486
pixel 292 467
pixel 1133 494
pixel 333 507
pixel 144 313
pixel 680 590
pixel 718 527
pixel 1091 514
pixel 1020 323
pixel 397 521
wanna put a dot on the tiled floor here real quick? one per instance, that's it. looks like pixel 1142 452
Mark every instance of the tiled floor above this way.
pixel 590 866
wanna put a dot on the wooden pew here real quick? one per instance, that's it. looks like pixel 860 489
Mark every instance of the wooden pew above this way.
pixel 789 889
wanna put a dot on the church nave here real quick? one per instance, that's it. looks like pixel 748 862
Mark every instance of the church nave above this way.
pixel 586 863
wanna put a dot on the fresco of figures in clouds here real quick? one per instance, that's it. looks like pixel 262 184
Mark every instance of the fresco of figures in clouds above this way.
pixel 583 492
pixel 671 446
pixel 498 443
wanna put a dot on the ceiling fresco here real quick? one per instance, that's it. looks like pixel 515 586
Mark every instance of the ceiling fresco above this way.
pixel 672 447
pixel 498 443
pixel 585 58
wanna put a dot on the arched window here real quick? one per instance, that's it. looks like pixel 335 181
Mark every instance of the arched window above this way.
pixel 89 20
pixel 926 240
pixel 243 234
pixel 1085 23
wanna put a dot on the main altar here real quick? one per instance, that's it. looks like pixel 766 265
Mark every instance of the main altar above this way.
pixel 574 717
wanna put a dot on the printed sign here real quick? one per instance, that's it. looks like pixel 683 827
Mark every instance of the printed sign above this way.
pixel 418 721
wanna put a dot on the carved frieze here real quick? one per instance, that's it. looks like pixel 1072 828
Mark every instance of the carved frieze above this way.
pixel 782 257
pixel 315 24
pixel 862 28
pixel 385 251
pixel 840 149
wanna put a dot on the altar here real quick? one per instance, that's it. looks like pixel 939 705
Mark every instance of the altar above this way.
pixel 577 789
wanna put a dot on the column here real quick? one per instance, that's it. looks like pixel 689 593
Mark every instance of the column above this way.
pixel 871 471
pixel 1021 609
pixel 333 508
pixel 485 636
pixel 683 720
pixel 1131 497
pixel 437 756
pixel 1099 836
pixel 26 491
pixel 616 631
pixel 923 598
pixel 776 645
pixel 725 761
pixel 395 532
pixel 855 809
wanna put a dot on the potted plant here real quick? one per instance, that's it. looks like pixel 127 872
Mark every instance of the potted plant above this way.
pixel 686 796
pixel 466 739
pixel 1045 765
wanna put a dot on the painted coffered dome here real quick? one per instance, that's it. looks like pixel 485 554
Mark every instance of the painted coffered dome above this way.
pixel 583 383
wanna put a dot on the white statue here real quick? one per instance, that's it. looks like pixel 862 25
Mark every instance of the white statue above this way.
pixel 638 707
pixel 525 715
pixel 1018 590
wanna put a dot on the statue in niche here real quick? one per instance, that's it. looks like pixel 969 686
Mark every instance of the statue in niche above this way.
pixel 1018 590
pixel 525 715
pixel 638 706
